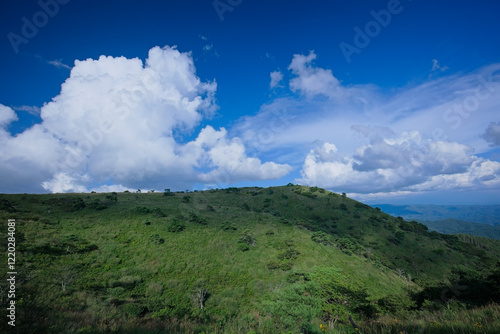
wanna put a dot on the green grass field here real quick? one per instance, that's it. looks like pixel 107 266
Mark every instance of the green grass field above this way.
pixel 289 259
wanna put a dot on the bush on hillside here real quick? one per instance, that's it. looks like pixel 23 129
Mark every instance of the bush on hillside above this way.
pixel 175 226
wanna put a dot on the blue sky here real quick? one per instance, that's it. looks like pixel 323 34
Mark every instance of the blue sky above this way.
pixel 389 101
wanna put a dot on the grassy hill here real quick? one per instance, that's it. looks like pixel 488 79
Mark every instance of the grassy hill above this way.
pixel 289 259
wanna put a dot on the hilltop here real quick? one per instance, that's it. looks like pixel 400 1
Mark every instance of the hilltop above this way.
pixel 262 260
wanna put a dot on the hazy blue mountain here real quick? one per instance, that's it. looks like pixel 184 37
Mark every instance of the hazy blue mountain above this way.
pixel 485 214
pixel 455 226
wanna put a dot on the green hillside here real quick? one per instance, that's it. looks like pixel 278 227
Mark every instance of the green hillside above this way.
pixel 289 259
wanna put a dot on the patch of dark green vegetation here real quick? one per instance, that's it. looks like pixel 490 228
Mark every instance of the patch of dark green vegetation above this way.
pixel 289 259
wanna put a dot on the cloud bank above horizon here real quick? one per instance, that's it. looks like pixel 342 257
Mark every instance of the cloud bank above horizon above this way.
pixel 114 127
pixel 421 138
pixel 119 124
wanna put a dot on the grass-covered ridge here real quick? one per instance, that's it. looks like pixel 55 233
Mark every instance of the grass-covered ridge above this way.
pixel 273 260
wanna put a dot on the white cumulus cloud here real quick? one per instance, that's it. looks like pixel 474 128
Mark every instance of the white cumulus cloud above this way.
pixel 7 115
pixel 405 140
pixel 276 77
pixel 404 163
pixel 311 80
pixel 492 134
pixel 114 126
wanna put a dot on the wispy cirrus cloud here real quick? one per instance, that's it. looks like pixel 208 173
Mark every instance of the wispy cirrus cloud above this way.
pixel 437 67
pixel 33 110
pixel 208 47
pixel 59 64
pixel 419 138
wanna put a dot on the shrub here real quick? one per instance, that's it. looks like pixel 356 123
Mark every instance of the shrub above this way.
pixel 287 265
pixel 438 251
pixel 133 310
pixel 186 199
pixel 293 305
pixel 79 204
pixel 175 226
pixel 158 212
pixel 155 238
pixel 227 226
pixel 309 194
pixel 284 221
pixel 308 328
pixel 194 218
pixel 247 238
pixel 400 235
pixel 360 205
pixel 267 202
pixel 97 205
pixel 417 227
pixel 347 245
pixel 154 289
pixel 432 306
pixel 321 238
pixel 292 278
pixel 271 265
pixel 243 247
pixel 289 254
pixel 397 303
pixel 7 206
pixel 128 281
pixel 340 295
pixel 113 197
pixel 393 239
pixel 142 209
pixel 232 190
pixel 117 291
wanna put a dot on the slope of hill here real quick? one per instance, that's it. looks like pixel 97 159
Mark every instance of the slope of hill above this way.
pixel 455 226
pixel 252 260
pixel 485 214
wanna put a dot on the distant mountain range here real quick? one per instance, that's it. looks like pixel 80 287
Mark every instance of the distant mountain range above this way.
pixel 455 226
pixel 481 220
pixel 485 214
